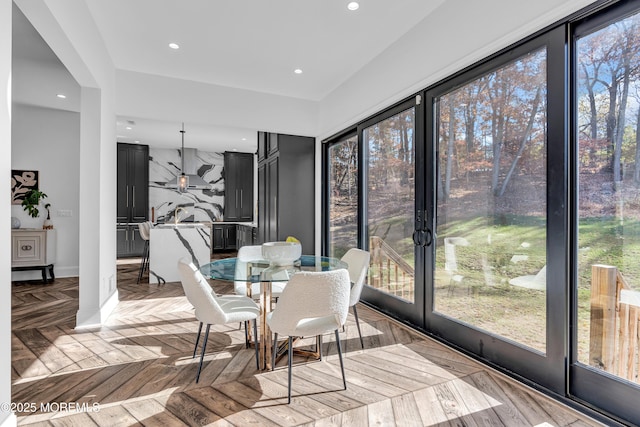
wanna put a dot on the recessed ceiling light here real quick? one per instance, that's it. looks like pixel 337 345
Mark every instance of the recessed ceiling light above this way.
pixel 244 139
pixel 137 141
pixel 298 71
pixel 61 96
pixel 174 45
pixel 353 5
pixel 128 128
pixel 235 149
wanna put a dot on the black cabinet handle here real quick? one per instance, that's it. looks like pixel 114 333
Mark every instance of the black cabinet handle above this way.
pixel 27 247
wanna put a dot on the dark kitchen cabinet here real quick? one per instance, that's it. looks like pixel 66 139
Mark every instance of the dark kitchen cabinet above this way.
pixel 129 243
pixel 133 183
pixel 286 189
pixel 262 146
pixel 238 193
pixel 272 144
pixel 132 197
pixel 224 237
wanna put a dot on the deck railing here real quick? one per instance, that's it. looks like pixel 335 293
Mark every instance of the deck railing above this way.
pixel 615 324
pixel 388 271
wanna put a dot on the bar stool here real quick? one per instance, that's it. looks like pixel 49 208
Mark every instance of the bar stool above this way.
pixel 144 228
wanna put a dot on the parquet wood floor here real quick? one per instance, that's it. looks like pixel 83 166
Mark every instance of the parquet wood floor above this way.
pixel 137 369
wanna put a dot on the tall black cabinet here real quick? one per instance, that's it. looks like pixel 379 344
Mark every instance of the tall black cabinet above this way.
pixel 132 197
pixel 286 190
pixel 238 192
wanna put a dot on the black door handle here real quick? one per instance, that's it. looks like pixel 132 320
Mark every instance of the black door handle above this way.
pixel 422 237
pixel 416 238
pixel 428 237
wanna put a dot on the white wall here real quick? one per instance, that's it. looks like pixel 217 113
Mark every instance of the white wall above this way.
pixel 164 98
pixel 72 35
pixel 6 417
pixel 48 141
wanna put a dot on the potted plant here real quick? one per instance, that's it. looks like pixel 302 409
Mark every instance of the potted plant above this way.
pixel 31 201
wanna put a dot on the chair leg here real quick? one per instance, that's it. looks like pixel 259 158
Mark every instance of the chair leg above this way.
pixel 195 348
pixel 246 334
pixel 290 363
pixel 344 380
pixel 274 351
pixel 146 264
pixel 143 262
pixel 355 314
pixel 319 346
pixel 255 342
pixel 204 347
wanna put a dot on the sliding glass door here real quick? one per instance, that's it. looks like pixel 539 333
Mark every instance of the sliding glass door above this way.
pixel 492 202
pixel 496 261
pixel 371 202
pixel 605 369
pixel 390 205
pixel 342 196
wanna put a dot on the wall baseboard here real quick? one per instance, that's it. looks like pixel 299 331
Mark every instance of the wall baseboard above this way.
pixel 92 317
pixel 10 421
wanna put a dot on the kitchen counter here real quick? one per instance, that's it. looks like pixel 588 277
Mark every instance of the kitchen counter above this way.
pixel 170 242
pixel 209 223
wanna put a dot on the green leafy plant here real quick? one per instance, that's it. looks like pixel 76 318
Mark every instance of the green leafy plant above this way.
pixel 31 201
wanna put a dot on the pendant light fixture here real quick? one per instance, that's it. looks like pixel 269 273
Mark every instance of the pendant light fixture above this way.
pixel 183 180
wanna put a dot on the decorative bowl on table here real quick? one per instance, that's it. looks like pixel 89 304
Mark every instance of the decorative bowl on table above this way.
pixel 281 253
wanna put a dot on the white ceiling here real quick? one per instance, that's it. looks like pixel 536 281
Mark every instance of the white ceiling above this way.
pixel 245 44
pixel 254 44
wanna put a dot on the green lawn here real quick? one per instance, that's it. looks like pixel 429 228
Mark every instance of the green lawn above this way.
pixel 484 298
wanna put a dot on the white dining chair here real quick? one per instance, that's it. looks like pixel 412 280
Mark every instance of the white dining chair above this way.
pixel 247 254
pixel 211 309
pixel 358 266
pixel 311 304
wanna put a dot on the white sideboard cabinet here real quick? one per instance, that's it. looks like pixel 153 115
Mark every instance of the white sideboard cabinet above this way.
pixel 33 249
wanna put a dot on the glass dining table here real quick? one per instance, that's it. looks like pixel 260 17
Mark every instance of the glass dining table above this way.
pixel 261 271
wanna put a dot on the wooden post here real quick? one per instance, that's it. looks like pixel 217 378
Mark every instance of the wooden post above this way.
pixel 635 335
pixel 629 307
pixel 623 339
pixel 602 337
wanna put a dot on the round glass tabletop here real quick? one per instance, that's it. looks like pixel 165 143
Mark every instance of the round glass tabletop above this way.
pixel 233 269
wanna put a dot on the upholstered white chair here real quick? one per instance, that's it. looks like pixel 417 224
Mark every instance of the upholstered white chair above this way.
pixel 215 310
pixel 246 254
pixel 311 304
pixel 144 229
pixel 358 262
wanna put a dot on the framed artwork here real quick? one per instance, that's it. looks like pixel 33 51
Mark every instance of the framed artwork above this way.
pixel 21 182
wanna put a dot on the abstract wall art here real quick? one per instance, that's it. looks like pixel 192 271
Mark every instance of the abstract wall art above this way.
pixel 21 182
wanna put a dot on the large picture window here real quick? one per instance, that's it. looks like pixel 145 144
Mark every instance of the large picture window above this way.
pixel 491 186
pixel 608 115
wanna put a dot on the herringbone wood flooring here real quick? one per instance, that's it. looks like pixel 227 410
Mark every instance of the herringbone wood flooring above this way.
pixel 138 370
